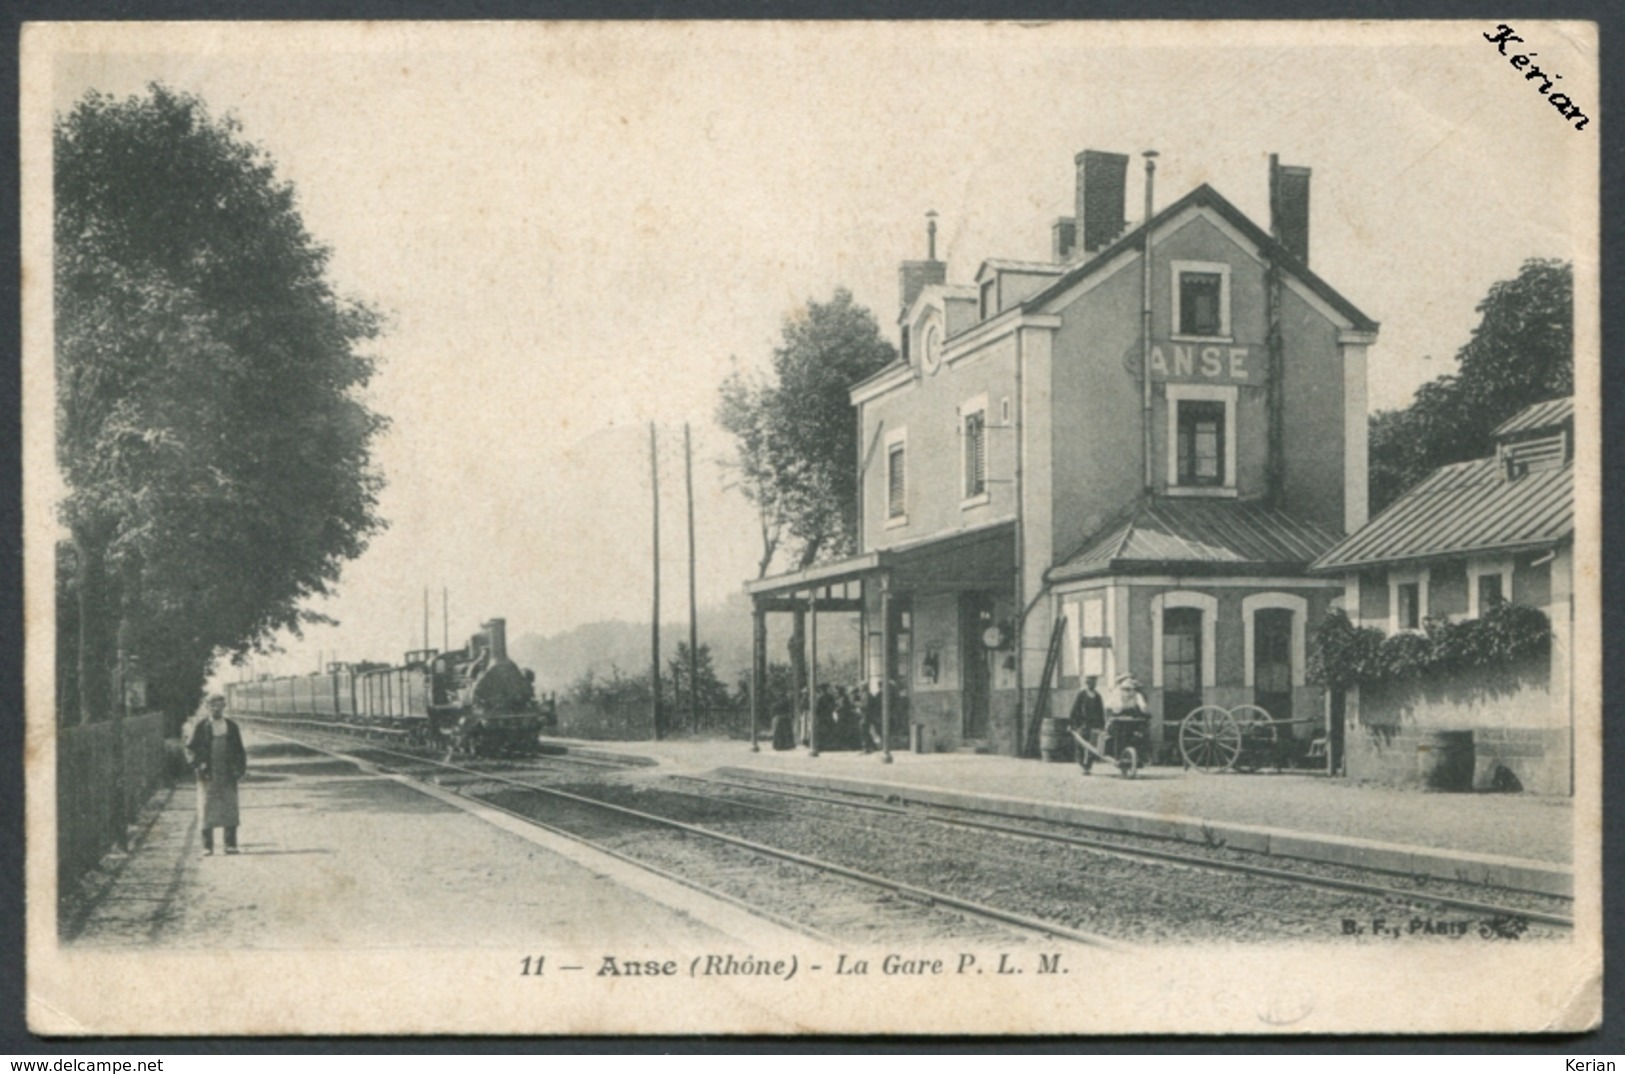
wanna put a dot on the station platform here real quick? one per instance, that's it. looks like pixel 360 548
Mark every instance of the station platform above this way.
pixel 1514 840
pixel 337 856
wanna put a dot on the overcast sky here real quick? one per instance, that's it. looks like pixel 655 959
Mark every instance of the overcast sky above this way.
pixel 575 229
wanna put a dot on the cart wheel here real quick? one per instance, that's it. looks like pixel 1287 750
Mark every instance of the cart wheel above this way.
pixel 1128 762
pixel 1259 735
pixel 1209 739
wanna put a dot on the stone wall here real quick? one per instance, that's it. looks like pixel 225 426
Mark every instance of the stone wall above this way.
pixel 1515 727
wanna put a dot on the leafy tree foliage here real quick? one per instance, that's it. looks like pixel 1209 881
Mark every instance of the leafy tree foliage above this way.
pixel 797 431
pixel 209 428
pixel 1506 635
pixel 709 692
pixel 1521 352
pixel 797 435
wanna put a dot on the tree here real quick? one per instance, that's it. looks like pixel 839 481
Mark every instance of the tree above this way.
pixel 1521 352
pixel 710 693
pixel 797 432
pixel 797 435
pixel 215 450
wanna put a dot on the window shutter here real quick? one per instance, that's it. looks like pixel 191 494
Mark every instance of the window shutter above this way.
pixel 895 483
pixel 975 453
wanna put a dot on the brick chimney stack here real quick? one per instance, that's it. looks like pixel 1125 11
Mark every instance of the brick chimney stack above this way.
pixel 1102 195
pixel 915 276
pixel 1289 207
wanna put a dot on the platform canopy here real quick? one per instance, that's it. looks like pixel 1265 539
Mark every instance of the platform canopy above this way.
pixel 979 558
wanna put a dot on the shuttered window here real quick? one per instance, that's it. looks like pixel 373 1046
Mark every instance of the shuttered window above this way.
pixel 975 453
pixel 896 482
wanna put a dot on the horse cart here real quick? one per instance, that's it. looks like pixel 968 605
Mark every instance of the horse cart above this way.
pixel 1123 742
pixel 1241 739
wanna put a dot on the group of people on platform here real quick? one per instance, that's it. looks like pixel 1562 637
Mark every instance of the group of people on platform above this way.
pixel 843 718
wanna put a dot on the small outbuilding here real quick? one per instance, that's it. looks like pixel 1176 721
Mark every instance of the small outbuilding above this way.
pixel 1477 542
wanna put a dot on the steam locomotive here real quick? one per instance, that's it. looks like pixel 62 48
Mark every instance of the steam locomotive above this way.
pixel 474 700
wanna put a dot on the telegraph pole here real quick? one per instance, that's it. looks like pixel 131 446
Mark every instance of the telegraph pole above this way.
pixel 693 614
pixel 654 625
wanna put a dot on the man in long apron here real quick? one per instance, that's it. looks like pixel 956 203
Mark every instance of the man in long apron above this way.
pixel 220 761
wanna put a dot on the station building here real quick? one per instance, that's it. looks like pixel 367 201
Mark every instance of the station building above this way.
pixel 1120 460
pixel 1471 535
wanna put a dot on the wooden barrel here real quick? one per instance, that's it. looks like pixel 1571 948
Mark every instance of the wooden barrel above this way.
pixel 1054 744
pixel 1444 760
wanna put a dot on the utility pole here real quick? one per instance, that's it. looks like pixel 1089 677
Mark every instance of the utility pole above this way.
pixel 445 620
pixel 654 625
pixel 1150 156
pixel 425 617
pixel 693 613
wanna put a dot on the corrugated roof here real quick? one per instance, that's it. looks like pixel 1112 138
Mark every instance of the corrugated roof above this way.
pixel 1218 534
pixel 1547 415
pixel 1464 508
pixel 1207 196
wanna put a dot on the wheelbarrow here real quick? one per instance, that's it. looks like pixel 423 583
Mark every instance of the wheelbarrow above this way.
pixel 1123 743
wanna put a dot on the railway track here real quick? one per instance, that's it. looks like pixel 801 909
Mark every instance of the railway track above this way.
pixel 1536 908
pixel 1037 878
pixel 830 901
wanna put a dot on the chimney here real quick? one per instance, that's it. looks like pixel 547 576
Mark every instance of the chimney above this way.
pixel 1102 191
pixel 1065 234
pixel 915 276
pixel 497 631
pixel 1289 207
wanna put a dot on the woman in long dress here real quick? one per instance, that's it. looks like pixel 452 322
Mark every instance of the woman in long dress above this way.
pixel 220 761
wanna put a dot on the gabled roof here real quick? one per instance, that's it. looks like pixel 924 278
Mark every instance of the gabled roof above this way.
pixel 1199 535
pixel 1207 197
pixel 1541 416
pixel 1468 507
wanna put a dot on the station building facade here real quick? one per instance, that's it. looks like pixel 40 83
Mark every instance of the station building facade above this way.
pixel 1044 486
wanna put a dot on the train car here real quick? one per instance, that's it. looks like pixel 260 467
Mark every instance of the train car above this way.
pixel 473 700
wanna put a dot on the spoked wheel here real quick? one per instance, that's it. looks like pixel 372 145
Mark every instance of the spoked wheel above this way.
pixel 1128 762
pixel 1259 736
pixel 1209 739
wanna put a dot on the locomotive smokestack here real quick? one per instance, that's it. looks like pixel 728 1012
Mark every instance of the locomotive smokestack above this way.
pixel 497 631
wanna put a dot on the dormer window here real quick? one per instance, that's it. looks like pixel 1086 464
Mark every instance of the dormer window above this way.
pixel 1547 452
pixel 1201 299
pixel 989 297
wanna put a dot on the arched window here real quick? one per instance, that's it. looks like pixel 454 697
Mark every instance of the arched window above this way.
pixel 1182 649
pixel 1274 626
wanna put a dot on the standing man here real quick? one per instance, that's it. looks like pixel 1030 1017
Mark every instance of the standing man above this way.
pixel 220 761
pixel 1087 718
